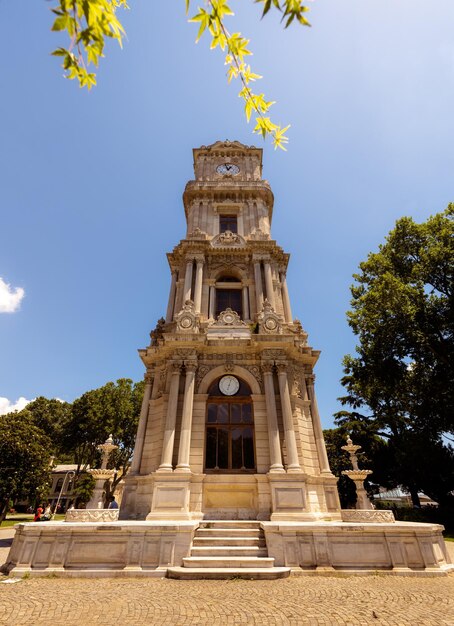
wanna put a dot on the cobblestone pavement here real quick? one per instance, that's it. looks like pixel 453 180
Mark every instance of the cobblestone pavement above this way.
pixel 327 601
pixel 354 601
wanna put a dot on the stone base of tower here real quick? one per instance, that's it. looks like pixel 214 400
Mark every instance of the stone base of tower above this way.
pixel 278 496
pixel 152 549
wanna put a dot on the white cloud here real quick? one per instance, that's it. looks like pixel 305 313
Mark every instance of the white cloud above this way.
pixel 10 297
pixel 6 406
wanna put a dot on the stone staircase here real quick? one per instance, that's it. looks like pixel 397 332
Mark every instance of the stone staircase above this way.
pixel 228 549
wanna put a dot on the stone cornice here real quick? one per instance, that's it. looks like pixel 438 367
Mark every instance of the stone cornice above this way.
pixel 234 190
pixel 188 247
pixel 259 348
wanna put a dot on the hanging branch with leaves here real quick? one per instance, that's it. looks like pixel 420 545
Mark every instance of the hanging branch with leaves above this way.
pixel 236 48
pixel 89 22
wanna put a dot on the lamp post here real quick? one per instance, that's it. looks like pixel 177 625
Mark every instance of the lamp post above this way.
pixel 70 473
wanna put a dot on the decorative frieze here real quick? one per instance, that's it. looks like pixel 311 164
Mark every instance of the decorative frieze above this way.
pixel 92 515
pixel 367 516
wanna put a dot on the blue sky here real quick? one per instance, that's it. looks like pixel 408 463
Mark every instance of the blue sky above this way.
pixel 91 183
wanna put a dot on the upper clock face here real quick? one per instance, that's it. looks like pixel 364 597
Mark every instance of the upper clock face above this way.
pixel 229 385
pixel 228 168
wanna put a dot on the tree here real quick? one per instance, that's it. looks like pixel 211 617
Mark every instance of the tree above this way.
pixel 24 459
pixel 51 416
pixel 84 487
pixel 89 23
pixel 112 409
pixel 403 314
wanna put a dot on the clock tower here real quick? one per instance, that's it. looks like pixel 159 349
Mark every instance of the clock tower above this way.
pixel 230 476
pixel 229 427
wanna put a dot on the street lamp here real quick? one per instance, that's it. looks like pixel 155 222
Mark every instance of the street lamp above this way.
pixel 70 473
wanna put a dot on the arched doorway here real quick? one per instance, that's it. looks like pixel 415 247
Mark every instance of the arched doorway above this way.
pixel 229 427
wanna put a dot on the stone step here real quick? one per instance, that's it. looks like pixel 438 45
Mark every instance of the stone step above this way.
pixel 223 562
pixel 228 541
pixel 228 532
pixel 230 524
pixel 249 573
pixel 229 551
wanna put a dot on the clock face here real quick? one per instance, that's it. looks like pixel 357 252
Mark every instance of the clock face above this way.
pixel 229 385
pixel 227 168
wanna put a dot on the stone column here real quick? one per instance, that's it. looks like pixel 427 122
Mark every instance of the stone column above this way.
pixel 186 420
pixel 316 423
pixel 198 285
pixel 271 416
pixel 246 313
pixel 240 223
pixel 212 310
pixel 287 416
pixel 188 281
pixel 258 286
pixel 143 419
pixel 269 284
pixel 171 418
pixel 171 304
pixel 286 300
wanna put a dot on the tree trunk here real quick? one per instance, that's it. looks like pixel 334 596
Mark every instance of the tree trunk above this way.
pixel 415 497
pixel 3 509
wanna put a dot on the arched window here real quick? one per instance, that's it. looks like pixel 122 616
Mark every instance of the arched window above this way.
pixel 229 295
pixel 229 430
pixel 59 484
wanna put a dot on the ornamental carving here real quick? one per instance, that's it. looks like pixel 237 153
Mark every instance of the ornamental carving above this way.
pixel 190 366
pixel 187 320
pixel 161 382
pixel 267 367
pixel 228 238
pixel 296 389
pixel 229 318
pixel 273 354
pixel 197 234
pixel 201 373
pixel 258 235
pixel 269 321
pixel 158 332
pixel 373 517
pixel 237 356
pixel 185 353
pixel 255 371
pixel 229 365
pixel 92 515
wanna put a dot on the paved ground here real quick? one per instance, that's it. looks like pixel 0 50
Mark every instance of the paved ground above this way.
pixel 355 601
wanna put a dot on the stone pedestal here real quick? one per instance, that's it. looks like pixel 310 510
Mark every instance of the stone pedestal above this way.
pixel 171 497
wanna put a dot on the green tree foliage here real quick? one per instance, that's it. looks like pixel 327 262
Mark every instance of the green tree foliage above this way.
pixel 112 409
pixel 84 487
pixel 88 23
pixel 51 416
pixel 400 384
pixel 24 459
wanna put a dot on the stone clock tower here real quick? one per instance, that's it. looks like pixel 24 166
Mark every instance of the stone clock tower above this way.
pixel 229 427
pixel 230 475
